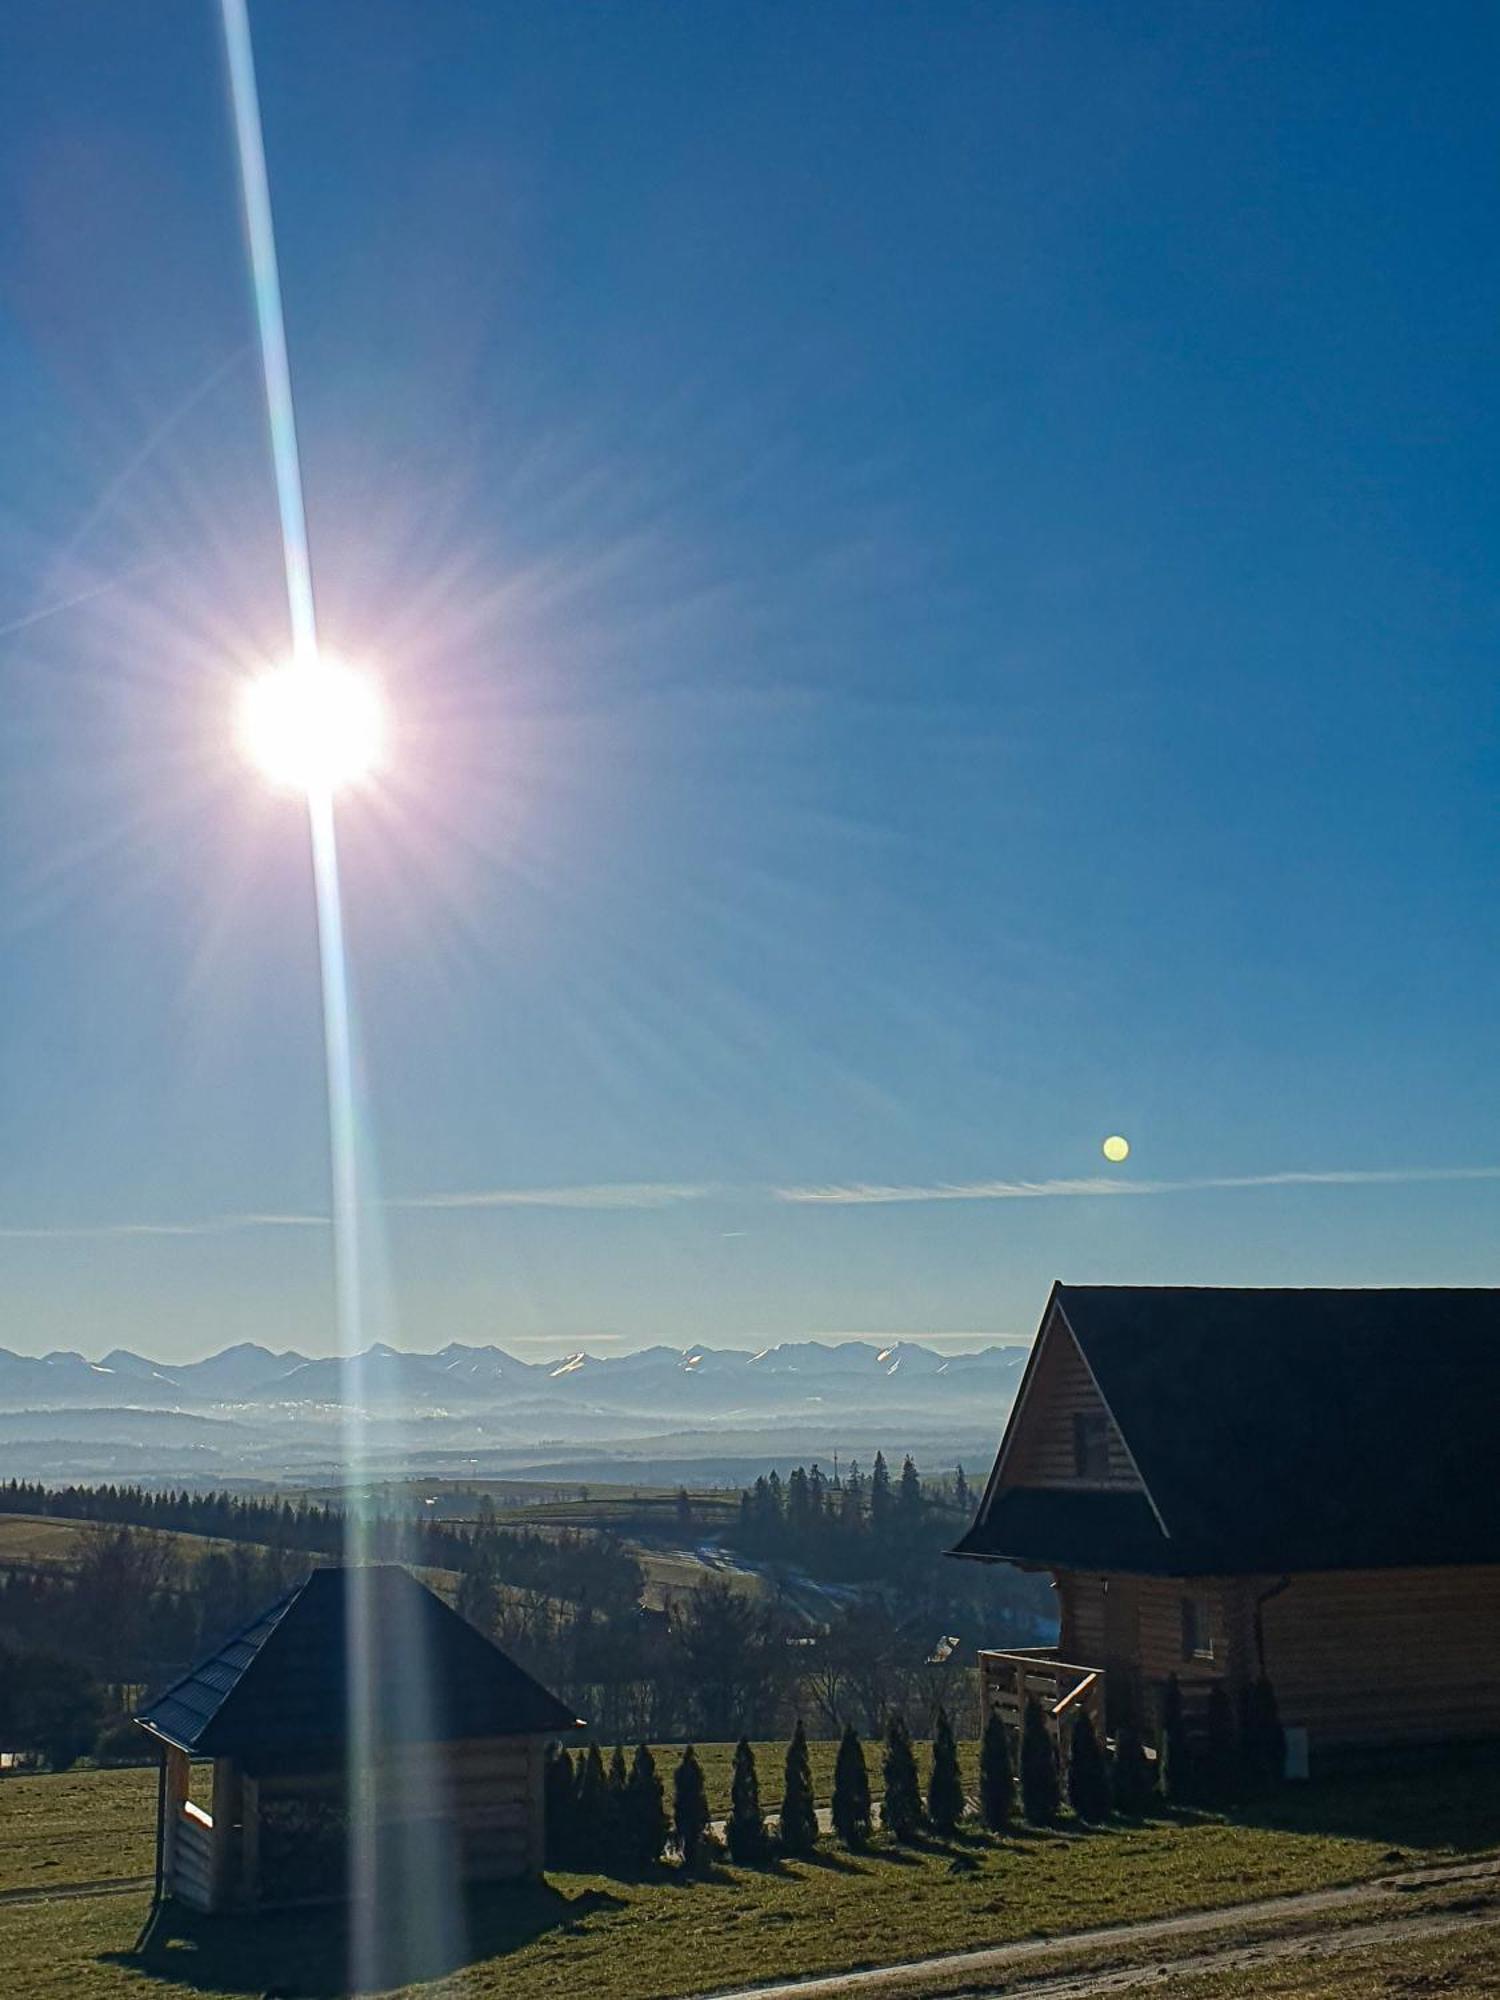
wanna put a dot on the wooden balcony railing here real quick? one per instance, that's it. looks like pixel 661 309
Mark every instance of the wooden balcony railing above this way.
pixel 1060 1688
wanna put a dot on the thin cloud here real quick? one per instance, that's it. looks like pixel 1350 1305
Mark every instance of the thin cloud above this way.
pixel 622 1197
pixel 858 1194
pixel 213 1225
pixel 606 1195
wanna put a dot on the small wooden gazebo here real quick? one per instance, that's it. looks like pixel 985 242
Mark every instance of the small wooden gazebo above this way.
pixel 450 1736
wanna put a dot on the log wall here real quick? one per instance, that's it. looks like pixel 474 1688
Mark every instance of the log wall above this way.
pixel 484 1795
pixel 1355 1656
pixel 1387 1656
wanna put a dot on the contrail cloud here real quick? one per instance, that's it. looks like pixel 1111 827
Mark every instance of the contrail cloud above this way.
pixel 647 1197
pixel 863 1194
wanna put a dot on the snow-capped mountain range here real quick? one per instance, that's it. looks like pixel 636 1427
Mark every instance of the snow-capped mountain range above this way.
pixel 694 1382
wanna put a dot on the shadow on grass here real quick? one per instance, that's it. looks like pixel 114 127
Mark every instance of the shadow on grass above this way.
pixel 837 1860
pixel 1411 1801
pixel 305 1954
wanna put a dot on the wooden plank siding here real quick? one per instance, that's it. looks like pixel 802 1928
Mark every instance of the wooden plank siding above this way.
pixel 1080 1612
pixel 1355 1656
pixel 1390 1656
pixel 1060 1389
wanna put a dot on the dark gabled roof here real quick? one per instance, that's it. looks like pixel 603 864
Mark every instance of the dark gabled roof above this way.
pixel 1280 1430
pixel 1071 1528
pixel 281 1687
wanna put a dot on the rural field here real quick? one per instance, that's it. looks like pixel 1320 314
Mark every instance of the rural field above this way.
pixel 588 1937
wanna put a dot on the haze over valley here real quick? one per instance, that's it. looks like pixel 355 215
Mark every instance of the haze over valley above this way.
pixel 705 1414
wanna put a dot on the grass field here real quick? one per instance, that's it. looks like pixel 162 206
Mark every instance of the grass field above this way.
pixel 579 1937
pixel 40 1541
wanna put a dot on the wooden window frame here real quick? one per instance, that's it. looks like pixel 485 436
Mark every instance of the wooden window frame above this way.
pixel 1197 1629
pixel 1090 1445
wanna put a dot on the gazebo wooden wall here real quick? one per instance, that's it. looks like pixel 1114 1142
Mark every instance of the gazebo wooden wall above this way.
pixel 481 1801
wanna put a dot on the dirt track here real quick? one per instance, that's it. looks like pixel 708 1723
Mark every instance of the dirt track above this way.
pixel 1170 1942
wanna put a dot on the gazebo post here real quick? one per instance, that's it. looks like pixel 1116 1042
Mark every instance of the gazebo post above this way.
pixel 173 1796
pixel 225 1814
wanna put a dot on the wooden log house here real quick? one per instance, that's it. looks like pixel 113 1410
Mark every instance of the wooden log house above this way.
pixel 257 1785
pixel 1230 1483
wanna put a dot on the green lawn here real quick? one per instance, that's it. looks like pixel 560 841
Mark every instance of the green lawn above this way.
pixel 97 1826
pixel 592 1938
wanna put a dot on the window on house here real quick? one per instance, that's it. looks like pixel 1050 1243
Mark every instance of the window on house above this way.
pixel 1197 1629
pixel 1090 1444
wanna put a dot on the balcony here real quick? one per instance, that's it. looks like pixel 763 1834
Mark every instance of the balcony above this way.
pixel 1060 1688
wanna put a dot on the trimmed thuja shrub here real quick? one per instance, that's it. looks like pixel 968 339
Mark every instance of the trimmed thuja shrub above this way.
pixel 1088 1774
pixel 799 1815
pixel 1264 1737
pixel 1041 1790
pixel 689 1809
pixel 614 1823
pixel 1131 1773
pixel 997 1776
pixel 945 1787
pixel 1221 1762
pixel 745 1831
pixel 646 1825
pixel 557 1784
pixel 1174 1757
pixel 901 1810
pixel 851 1791
pixel 591 1809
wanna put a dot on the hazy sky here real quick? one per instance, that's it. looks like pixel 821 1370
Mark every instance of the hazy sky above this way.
pixel 936 570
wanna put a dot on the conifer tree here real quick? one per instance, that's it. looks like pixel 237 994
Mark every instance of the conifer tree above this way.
pixel 901 1809
pixel 1088 1775
pixel 591 1808
pixel 961 1496
pixel 1041 1790
pixel 1174 1757
pixel 1265 1739
pixel 851 1791
pixel 614 1818
pixel 997 1777
pixel 746 1828
pixel 945 1786
pixel 1130 1774
pixel 799 1814
pixel 1222 1750
pixel 646 1825
pixel 880 1493
pixel 909 1494
pixel 689 1808
pixel 558 1789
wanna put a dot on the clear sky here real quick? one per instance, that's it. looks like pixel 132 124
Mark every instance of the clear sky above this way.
pixel 936 569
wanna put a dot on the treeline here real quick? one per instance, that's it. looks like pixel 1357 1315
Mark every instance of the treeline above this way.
pixel 712 1662
pixel 850 1526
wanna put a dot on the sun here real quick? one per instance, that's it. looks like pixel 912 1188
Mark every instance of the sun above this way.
pixel 1116 1148
pixel 313 726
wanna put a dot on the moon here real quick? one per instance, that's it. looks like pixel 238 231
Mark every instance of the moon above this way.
pixel 1116 1149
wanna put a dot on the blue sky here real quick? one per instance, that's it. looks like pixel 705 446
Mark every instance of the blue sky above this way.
pixel 935 573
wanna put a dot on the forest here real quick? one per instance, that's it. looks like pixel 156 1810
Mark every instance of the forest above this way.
pixel 880 1622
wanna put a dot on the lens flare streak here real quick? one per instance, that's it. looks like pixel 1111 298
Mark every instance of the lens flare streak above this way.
pixel 393 1880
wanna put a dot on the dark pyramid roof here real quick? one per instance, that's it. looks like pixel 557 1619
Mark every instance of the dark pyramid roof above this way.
pixel 1280 1430
pixel 281 1686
